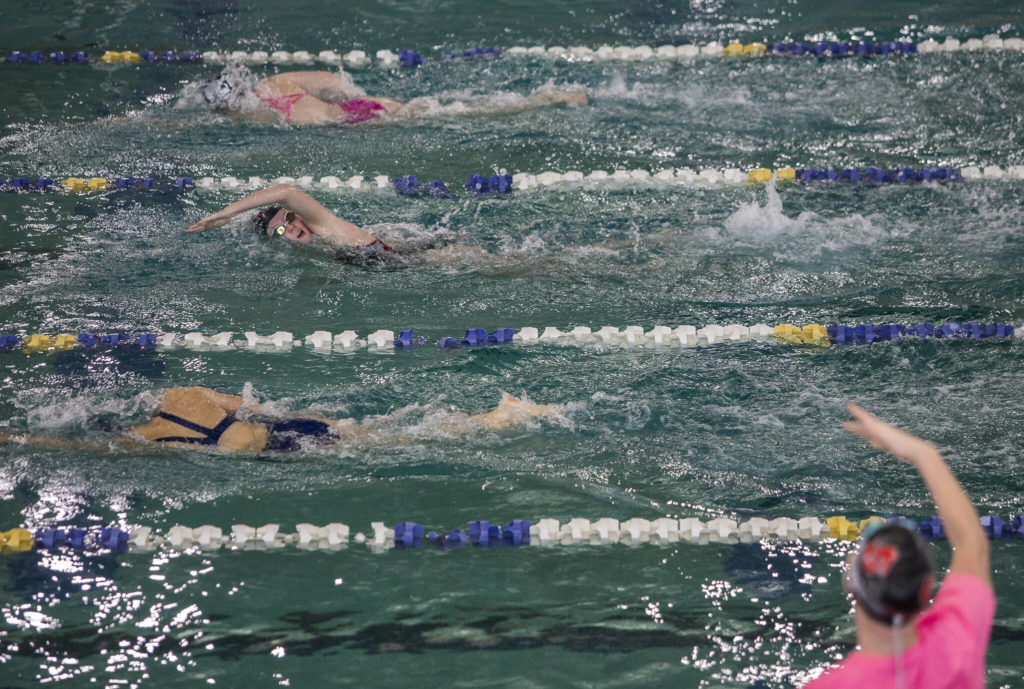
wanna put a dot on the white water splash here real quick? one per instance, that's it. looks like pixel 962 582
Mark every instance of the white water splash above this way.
pixel 806 235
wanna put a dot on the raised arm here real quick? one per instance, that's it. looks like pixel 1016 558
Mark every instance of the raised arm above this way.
pixel 280 194
pixel 320 221
pixel 325 85
pixel 959 518
pixel 229 404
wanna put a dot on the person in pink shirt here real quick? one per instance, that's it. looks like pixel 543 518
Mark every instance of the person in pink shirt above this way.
pixel 902 641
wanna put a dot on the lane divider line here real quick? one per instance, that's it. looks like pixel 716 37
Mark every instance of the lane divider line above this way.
pixel 358 59
pixel 578 531
pixel 659 338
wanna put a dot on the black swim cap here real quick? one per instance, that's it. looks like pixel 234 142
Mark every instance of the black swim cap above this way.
pixel 260 219
pixel 892 575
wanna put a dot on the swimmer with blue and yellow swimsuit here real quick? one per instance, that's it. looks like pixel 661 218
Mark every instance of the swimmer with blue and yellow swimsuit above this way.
pixel 197 417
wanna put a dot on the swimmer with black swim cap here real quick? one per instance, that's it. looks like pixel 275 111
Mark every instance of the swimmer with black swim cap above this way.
pixel 902 641
pixel 292 214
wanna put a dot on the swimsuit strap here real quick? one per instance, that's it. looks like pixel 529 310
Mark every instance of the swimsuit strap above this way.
pixel 212 435
pixel 283 104
pixel 359 110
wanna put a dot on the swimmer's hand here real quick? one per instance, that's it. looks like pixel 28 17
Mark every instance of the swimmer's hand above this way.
pixel 218 219
pixel 885 436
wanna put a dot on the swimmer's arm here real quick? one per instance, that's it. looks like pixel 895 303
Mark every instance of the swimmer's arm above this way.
pixel 278 194
pixel 321 221
pixel 40 441
pixel 544 98
pixel 326 86
pixel 290 82
pixel 959 518
pixel 230 404
pixel 127 442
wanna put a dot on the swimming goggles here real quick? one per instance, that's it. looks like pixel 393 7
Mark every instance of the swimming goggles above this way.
pixel 279 230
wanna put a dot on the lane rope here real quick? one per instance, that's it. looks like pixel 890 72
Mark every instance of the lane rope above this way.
pixel 359 59
pixel 503 183
pixel 577 531
pixel 658 338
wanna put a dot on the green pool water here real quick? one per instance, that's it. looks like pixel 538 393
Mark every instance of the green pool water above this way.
pixel 742 430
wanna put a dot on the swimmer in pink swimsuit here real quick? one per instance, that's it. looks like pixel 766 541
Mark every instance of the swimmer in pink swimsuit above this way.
pixel 320 98
pixel 331 98
pixel 352 111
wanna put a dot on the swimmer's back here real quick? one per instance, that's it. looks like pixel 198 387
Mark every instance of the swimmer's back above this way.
pixel 206 408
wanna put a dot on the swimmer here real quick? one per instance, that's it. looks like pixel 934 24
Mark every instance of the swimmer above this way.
pixel 902 641
pixel 200 417
pixel 292 214
pixel 327 98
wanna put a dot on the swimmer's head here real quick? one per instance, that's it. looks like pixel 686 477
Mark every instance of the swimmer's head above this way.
pixel 278 221
pixel 891 577
pixel 224 90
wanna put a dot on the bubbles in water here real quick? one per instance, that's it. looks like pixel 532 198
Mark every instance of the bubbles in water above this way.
pixel 808 234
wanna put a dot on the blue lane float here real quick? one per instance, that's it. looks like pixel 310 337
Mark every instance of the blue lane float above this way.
pixel 410 59
pixel 115 340
pixel 473 54
pixel 495 184
pixel 410 186
pixel 501 336
pixel 868 333
pixel 475 337
pixel 408 535
pixel 839 49
pixel 407 340
pixel 876 175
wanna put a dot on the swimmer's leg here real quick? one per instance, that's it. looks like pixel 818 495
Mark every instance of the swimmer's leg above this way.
pixel 557 98
pixel 63 444
pixel 512 411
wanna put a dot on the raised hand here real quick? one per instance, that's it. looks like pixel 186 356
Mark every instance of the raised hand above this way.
pixel 887 437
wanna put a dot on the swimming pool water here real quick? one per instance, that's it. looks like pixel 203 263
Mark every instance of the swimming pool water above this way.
pixel 743 430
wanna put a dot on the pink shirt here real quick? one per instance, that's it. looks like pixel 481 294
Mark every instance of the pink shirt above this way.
pixel 952 637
